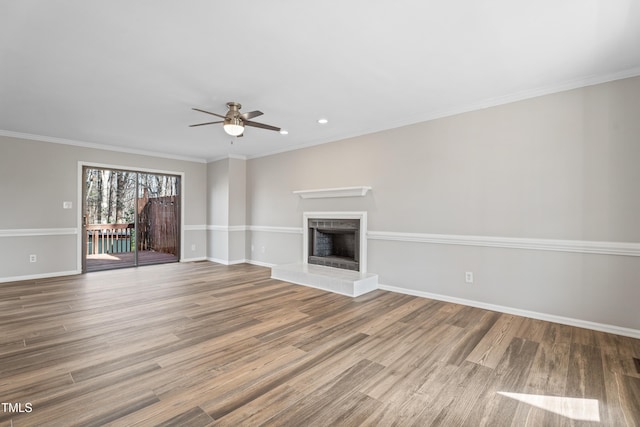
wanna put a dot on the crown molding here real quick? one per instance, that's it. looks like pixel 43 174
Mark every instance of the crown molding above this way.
pixel 227 156
pixel 95 146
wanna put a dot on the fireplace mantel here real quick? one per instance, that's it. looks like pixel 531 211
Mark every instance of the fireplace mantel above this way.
pixel 333 192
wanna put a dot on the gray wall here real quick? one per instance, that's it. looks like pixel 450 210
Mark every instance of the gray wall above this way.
pixel 218 193
pixel 36 177
pixel 550 172
pixel 226 207
pixel 218 210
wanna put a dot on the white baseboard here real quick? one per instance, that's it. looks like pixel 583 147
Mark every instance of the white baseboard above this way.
pixel 260 263
pixel 40 276
pixel 226 261
pixel 194 259
pixel 611 329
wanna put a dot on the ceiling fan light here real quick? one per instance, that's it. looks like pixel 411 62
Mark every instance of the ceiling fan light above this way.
pixel 233 130
pixel 233 126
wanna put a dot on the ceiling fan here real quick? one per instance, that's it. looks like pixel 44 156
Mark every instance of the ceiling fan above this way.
pixel 234 121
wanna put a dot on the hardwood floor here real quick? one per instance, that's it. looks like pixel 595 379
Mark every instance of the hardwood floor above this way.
pixel 201 344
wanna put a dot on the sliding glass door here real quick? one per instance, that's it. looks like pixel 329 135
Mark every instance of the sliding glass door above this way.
pixel 158 231
pixel 130 218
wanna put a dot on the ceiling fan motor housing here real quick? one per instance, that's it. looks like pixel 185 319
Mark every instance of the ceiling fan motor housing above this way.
pixel 234 109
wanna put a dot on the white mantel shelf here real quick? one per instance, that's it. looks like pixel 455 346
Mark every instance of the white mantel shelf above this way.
pixel 333 192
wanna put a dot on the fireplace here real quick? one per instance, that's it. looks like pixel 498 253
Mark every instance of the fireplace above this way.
pixel 330 240
pixel 335 239
pixel 334 242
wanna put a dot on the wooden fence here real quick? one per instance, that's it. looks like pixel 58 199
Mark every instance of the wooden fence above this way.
pixel 158 224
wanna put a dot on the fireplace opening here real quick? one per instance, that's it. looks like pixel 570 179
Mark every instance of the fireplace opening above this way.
pixel 334 243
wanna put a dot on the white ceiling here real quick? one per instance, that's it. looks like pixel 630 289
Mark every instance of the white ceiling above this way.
pixel 126 73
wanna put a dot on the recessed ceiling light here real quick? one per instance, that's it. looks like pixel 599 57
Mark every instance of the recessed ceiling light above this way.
pixel 284 132
pixel 323 121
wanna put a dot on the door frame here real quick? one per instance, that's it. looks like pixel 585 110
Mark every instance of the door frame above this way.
pixel 80 203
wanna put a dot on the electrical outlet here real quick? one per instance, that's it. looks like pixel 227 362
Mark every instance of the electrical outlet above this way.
pixel 468 277
pixel 193 247
pixel 33 258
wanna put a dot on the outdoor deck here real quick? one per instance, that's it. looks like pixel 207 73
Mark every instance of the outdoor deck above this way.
pixel 112 246
pixel 99 262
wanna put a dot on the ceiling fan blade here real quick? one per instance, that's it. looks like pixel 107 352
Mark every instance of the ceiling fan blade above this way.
pixel 251 114
pixel 209 112
pixel 208 123
pixel 261 125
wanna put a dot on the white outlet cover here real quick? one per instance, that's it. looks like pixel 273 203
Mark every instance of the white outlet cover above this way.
pixel 67 205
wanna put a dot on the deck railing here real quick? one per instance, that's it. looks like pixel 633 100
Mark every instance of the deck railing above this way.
pixel 110 238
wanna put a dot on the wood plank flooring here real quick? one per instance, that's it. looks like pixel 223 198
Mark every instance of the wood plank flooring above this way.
pixel 202 344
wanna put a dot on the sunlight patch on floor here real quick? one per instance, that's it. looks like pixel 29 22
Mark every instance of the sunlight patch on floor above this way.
pixel 570 407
